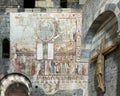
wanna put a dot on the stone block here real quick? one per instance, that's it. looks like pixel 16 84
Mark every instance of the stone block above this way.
pixel 40 3
pixel 49 3
pixel 36 10
pixel 66 9
pixel 28 10
pixel 81 1
pixel 51 10
pixel 11 10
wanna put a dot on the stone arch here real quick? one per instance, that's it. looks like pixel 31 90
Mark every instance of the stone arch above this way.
pixel 96 24
pixel 111 6
pixel 114 7
pixel 102 24
pixel 15 80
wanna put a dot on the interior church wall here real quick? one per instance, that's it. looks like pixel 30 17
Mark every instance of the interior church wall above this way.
pixel 90 13
pixel 111 61
pixel 81 59
pixel 67 49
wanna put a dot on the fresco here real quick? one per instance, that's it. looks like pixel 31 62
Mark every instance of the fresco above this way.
pixel 46 48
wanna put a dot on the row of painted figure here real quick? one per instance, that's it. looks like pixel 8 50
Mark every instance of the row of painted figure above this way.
pixel 47 67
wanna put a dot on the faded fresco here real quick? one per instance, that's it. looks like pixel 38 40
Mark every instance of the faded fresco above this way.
pixel 46 48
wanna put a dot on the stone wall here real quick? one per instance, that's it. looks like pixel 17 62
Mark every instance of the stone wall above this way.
pixel 91 11
pixel 11 3
pixel 56 3
pixel 41 3
pixel 112 75
pixel 22 26
pixel 5 30
pixel 4 34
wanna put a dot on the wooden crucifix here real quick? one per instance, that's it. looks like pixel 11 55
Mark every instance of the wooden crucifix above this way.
pixel 99 58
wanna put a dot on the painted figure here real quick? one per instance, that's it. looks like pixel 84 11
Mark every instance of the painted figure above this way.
pixel 38 69
pixel 52 67
pixel 18 65
pixel 33 69
pixel 47 67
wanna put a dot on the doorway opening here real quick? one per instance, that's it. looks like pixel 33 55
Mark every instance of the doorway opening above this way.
pixel 5 48
pixel 17 89
pixel 63 3
pixel 29 3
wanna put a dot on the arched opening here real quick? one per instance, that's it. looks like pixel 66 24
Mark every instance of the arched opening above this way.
pixel 105 25
pixel 97 23
pixel 15 84
pixel 17 89
pixel 104 28
pixel 63 3
pixel 5 48
pixel 29 3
